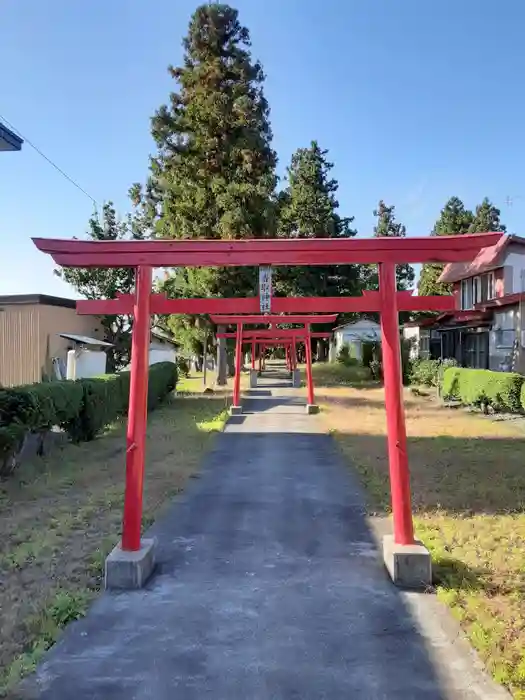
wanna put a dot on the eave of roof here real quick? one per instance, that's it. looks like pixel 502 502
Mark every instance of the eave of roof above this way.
pixel 487 259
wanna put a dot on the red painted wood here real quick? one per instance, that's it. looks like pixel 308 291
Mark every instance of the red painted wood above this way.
pixel 138 412
pixel 309 375
pixel 199 253
pixel 238 364
pixel 369 302
pixel 395 413
pixel 275 334
pixel 228 320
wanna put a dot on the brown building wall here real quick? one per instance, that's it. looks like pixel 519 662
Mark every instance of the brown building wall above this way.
pixel 29 339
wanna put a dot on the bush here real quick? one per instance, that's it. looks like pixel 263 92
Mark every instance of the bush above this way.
pixel 344 356
pixel 425 372
pixel 107 397
pixel 369 352
pixel 500 391
pixel 83 408
pixel 183 367
pixel 523 396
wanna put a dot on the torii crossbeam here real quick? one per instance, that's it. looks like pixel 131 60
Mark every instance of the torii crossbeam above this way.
pixel 386 252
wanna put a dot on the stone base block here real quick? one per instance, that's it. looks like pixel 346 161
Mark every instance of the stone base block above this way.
pixel 296 378
pixel 130 570
pixel 253 378
pixel 312 408
pixel 409 565
pixel 235 410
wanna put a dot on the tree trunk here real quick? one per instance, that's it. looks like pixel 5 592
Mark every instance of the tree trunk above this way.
pixel 321 350
pixel 222 360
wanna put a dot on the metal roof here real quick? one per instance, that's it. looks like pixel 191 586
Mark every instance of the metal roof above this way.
pixel 86 340
pixel 9 141
pixel 45 299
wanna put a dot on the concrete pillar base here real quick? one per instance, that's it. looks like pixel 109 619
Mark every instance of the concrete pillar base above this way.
pixel 312 408
pixel 296 378
pixel 130 570
pixel 235 410
pixel 409 565
pixel 253 378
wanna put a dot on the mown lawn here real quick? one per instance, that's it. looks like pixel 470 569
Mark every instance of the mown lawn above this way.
pixel 468 484
pixel 61 515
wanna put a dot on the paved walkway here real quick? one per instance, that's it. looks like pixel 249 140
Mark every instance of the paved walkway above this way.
pixel 269 587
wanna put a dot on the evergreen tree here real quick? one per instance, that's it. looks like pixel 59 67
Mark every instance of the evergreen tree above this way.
pixel 453 220
pixel 308 208
pixel 213 175
pixel 106 283
pixel 486 219
pixel 388 226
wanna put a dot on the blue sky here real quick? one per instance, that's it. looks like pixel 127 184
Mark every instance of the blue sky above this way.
pixel 416 101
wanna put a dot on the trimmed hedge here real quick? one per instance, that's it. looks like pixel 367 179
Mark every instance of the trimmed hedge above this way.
pixel 501 391
pixel 83 408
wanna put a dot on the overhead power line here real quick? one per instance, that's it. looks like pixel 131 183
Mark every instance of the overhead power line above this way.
pixel 52 163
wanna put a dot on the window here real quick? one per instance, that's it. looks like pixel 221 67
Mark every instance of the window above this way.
pixel 491 286
pixel 476 290
pixel 466 294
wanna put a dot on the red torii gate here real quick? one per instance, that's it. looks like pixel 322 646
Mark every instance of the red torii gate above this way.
pixel 283 337
pixel 405 560
pixel 239 320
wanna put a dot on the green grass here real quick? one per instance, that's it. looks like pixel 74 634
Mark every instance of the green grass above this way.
pixel 468 488
pixel 62 515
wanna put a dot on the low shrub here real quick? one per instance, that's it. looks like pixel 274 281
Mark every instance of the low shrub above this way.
pixel 107 397
pixel 369 352
pixel 501 391
pixel 424 372
pixel 344 356
pixel 83 408
pixel 183 367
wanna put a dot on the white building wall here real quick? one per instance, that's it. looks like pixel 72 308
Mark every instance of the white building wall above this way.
pixel 354 335
pixel 515 265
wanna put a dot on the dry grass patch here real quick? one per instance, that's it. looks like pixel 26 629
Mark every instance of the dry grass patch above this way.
pixel 61 515
pixel 468 484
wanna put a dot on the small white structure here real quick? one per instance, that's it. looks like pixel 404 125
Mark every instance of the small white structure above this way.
pixel 412 334
pixel 162 348
pixel 354 335
pixel 86 359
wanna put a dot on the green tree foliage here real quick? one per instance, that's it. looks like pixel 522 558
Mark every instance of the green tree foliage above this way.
pixel 453 220
pixel 388 226
pixel 106 283
pixel 308 208
pixel 213 175
pixel 486 219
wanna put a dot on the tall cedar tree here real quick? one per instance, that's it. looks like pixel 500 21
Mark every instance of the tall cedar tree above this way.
pixel 453 220
pixel 486 219
pixel 213 175
pixel 388 226
pixel 308 208
pixel 106 283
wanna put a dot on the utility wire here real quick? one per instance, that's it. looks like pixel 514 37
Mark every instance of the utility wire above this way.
pixel 54 165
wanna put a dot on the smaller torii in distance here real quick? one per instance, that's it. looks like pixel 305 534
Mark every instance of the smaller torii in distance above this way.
pixel 273 332
pixel 287 338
